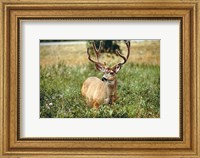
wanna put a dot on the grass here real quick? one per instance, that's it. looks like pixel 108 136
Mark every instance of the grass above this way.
pixel 138 90
pixel 63 69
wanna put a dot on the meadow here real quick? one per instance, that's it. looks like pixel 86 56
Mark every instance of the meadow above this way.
pixel 64 68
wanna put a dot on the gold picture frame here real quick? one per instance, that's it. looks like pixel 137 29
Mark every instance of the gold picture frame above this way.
pixel 12 12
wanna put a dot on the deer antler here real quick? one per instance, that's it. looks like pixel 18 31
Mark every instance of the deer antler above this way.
pixel 124 58
pixel 97 52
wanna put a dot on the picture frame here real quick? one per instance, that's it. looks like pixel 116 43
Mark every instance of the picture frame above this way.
pixel 187 145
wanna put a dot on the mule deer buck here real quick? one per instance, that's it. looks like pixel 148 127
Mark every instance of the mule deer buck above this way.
pixel 104 91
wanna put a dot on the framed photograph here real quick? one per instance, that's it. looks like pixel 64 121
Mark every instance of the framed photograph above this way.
pixel 99 79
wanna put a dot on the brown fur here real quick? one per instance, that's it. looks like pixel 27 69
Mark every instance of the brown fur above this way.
pixel 97 92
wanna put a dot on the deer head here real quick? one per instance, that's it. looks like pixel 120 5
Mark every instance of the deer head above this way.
pixel 98 91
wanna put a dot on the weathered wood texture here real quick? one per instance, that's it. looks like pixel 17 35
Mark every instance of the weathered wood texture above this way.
pixel 13 11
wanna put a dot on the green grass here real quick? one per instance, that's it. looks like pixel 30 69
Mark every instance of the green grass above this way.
pixel 138 90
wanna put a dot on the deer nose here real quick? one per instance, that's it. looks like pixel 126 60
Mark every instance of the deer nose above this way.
pixel 104 79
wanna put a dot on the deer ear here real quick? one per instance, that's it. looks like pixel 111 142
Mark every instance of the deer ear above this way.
pixel 100 67
pixel 117 68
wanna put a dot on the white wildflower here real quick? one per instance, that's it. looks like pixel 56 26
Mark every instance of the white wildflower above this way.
pixel 47 106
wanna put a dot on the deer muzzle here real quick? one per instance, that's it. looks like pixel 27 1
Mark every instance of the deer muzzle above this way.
pixel 104 79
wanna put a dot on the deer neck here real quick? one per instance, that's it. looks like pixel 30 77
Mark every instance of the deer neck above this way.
pixel 111 87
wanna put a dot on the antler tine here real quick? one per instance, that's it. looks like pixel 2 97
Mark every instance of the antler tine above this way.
pixel 89 57
pixel 97 51
pixel 128 44
pixel 118 53
pixel 124 58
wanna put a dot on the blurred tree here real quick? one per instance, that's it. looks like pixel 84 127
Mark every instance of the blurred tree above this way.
pixel 107 45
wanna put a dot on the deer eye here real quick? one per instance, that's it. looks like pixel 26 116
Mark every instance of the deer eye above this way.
pixel 112 73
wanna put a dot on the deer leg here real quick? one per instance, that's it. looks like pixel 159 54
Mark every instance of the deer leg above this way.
pixel 110 100
pixel 106 101
pixel 114 98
